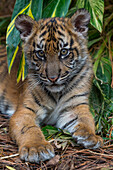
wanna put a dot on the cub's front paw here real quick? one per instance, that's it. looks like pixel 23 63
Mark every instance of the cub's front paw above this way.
pixel 36 153
pixel 86 137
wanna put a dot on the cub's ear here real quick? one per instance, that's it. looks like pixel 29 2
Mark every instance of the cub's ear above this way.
pixel 24 25
pixel 80 21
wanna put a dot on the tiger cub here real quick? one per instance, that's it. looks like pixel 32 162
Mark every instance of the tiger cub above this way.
pixel 57 87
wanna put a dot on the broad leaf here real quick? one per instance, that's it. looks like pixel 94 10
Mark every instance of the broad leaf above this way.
pixel 96 9
pixel 36 8
pixel 13 39
pixel 90 43
pixel 22 71
pixel 55 8
pixel 49 130
pixel 19 5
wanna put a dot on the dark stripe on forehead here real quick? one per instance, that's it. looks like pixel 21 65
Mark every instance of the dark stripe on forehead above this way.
pixel 52 20
pixel 56 47
pixel 42 27
pixel 43 34
pixel 54 29
pixel 61 27
pixel 71 42
pixel 60 33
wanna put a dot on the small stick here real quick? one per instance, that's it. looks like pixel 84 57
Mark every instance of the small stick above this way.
pixel 10 156
pixel 101 154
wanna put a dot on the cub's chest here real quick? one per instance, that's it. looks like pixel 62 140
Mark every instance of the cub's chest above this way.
pixel 48 113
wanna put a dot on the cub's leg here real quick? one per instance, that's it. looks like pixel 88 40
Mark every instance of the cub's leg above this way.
pixel 79 122
pixel 32 145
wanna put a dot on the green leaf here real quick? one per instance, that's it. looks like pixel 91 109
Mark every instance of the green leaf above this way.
pixel 29 12
pixel 36 8
pixel 13 39
pixel 71 11
pixel 49 130
pixel 95 67
pixel 101 49
pixel 90 43
pixel 95 100
pixel 96 9
pixel 22 71
pixel 12 43
pixel 66 132
pixel 106 61
pixel 19 5
pixel 57 8
pixel 107 70
pixel 52 131
pixel 65 137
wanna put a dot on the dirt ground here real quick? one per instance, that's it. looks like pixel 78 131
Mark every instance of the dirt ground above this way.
pixel 68 159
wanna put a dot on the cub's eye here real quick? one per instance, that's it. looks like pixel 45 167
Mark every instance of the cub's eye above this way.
pixel 64 52
pixel 40 54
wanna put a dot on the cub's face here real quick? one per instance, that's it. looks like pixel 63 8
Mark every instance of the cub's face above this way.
pixel 56 48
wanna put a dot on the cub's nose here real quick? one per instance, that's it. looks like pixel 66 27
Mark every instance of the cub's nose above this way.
pixel 53 78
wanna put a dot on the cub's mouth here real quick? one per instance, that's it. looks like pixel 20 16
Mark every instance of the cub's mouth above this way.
pixel 55 88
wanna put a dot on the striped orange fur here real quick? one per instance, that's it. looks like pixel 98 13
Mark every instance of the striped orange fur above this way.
pixel 57 87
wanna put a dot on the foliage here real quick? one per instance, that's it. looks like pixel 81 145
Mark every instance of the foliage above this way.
pixel 100 47
pixel 101 99
pixel 96 9
pixel 60 137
